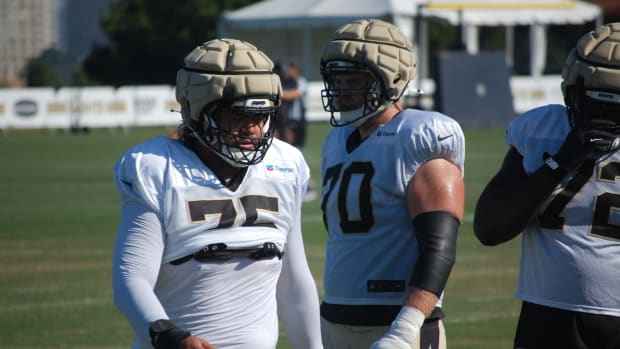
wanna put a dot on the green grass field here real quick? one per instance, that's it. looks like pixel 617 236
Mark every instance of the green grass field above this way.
pixel 58 215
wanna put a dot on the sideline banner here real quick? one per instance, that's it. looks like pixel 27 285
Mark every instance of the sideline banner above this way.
pixel 131 106
pixel 88 107
pixel 24 107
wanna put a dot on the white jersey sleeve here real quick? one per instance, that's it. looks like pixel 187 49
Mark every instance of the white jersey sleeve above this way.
pixel 538 131
pixel 137 256
pixel 430 135
pixel 297 296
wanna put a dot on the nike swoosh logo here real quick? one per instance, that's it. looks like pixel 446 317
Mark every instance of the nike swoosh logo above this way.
pixel 439 138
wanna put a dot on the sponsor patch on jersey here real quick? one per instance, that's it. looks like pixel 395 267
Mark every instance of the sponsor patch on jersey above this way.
pixel 382 133
pixel 281 170
pixel 383 136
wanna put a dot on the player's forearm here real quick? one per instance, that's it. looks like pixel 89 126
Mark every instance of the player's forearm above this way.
pixel 406 327
pixel 509 202
pixel 297 296
pixel 137 254
pixel 298 304
pixel 423 300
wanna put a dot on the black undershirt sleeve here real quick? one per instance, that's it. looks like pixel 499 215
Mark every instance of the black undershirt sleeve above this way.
pixel 511 199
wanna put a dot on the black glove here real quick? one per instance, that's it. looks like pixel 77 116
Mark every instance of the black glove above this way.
pixel 601 142
pixel 580 145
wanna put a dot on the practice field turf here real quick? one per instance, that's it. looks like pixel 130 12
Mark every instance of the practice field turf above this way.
pixel 58 216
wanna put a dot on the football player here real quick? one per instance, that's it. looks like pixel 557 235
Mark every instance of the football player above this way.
pixel 392 197
pixel 559 185
pixel 209 248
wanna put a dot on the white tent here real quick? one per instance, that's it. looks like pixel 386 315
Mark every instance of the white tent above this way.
pixel 299 28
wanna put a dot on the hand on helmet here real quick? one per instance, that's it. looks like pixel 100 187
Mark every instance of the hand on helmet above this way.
pixel 600 142
pixel 580 145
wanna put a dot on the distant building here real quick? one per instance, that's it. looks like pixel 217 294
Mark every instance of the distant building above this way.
pixel 29 27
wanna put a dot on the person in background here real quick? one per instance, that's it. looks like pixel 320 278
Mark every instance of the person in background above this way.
pixel 559 185
pixel 209 247
pixel 294 125
pixel 294 88
pixel 281 123
pixel 392 197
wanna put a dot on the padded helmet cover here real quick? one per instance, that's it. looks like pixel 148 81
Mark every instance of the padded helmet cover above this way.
pixel 596 60
pixel 380 46
pixel 224 70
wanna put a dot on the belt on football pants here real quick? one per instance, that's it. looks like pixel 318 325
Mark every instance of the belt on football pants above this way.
pixel 221 252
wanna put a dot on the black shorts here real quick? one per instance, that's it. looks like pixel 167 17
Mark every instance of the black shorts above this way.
pixel 544 327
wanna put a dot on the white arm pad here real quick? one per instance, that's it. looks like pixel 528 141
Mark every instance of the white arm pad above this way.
pixel 404 331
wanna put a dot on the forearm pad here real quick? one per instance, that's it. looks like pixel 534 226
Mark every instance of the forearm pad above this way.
pixel 436 232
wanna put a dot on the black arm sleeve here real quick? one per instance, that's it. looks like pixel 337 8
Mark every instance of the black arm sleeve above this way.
pixel 436 232
pixel 511 199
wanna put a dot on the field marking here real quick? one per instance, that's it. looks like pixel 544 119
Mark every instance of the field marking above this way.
pixel 479 317
pixel 55 304
pixel 490 298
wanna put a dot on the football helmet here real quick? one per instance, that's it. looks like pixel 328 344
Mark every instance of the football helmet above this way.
pixel 379 58
pixel 231 74
pixel 591 84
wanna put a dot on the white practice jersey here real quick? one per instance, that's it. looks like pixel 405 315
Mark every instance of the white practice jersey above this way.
pixel 231 304
pixel 372 250
pixel 570 255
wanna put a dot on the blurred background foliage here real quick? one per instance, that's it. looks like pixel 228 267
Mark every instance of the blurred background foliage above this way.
pixel 150 38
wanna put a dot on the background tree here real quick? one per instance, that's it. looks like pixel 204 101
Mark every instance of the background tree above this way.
pixel 39 73
pixel 150 38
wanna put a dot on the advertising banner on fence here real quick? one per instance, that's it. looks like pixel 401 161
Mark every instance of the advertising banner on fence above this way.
pixel 88 107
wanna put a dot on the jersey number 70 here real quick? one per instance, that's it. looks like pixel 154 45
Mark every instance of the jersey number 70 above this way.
pixel 335 174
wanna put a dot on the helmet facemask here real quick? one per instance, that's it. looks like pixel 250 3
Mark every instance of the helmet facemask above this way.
pixel 352 90
pixel 224 130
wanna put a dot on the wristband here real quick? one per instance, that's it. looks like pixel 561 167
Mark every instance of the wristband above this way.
pixel 166 335
pixel 404 331
pixel 550 161
pixel 408 323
